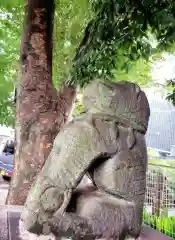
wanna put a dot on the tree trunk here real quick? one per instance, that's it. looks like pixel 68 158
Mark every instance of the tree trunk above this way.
pixel 40 110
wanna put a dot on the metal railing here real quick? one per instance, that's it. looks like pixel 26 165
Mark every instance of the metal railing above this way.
pixel 159 211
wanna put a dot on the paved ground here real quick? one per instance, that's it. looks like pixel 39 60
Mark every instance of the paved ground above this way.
pixel 3 190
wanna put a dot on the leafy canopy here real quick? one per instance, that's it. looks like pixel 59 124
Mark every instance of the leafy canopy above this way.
pixel 10 30
pixel 92 38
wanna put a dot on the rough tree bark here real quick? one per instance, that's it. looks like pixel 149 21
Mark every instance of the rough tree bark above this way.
pixel 40 110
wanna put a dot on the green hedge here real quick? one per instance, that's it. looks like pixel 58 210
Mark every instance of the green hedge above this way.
pixel 165 225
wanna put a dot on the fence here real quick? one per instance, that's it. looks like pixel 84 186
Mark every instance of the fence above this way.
pixel 159 211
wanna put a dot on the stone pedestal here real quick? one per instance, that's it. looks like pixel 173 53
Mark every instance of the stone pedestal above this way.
pixel 11 229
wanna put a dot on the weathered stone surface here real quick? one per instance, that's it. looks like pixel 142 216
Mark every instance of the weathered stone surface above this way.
pixel 11 227
pixel 111 135
pixel 21 234
pixel 108 143
pixel 3 224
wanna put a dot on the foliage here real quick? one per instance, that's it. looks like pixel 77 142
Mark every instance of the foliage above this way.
pixel 71 17
pixel 138 71
pixel 107 32
pixel 8 4
pixel 7 114
pixel 117 25
pixel 78 110
pixel 93 38
pixel 163 224
pixel 10 30
pixel 171 94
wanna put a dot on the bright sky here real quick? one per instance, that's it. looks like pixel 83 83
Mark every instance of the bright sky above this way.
pixel 164 69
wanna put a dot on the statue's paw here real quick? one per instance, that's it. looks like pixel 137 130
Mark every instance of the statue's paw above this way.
pixel 56 225
pixel 30 221
pixel 33 221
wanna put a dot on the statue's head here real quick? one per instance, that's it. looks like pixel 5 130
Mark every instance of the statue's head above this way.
pixel 123 100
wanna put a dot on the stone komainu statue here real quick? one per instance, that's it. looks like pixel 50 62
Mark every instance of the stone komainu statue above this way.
pixel 108 144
